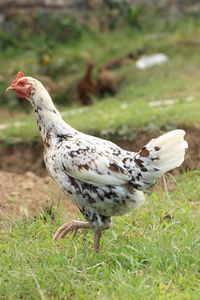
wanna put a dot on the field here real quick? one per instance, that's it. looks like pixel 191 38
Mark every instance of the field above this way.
pixel 150 253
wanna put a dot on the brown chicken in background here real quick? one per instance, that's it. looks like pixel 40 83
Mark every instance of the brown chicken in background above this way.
pixel 87 86
pixel 107 83
pixel 116 63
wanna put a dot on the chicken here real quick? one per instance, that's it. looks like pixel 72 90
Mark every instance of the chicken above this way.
pixel 107 83
pixel 100 177
pixel 87 86
pixel 116 63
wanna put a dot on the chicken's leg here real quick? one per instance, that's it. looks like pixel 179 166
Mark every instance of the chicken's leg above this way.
pixel 97 237
pixel 70 226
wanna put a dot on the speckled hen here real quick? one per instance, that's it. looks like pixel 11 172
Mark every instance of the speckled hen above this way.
pixel 101 178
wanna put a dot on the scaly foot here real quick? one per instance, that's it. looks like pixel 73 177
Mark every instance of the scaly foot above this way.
pixel 70 226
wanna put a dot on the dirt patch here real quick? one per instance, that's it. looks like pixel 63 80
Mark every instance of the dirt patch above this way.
pixel 28 194
pixel 192 160
pixel 22 157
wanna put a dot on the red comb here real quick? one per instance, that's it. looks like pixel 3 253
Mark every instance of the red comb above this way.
pixel 19 75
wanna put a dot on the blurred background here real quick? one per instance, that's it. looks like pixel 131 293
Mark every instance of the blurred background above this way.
pixel 122 70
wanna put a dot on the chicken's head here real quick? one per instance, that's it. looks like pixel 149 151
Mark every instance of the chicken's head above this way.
pixel 21 85
pixel 31 89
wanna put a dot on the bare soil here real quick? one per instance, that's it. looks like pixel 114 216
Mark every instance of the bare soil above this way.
pixel 26 188
pixel 28 195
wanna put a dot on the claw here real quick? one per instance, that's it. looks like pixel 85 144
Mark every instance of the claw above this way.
pixel 70 226
pixel 63 230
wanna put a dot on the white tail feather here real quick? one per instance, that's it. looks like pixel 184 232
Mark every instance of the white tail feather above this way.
pixel 159 156
pixel 170 150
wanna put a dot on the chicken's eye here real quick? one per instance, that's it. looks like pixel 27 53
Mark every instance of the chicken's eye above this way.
pixel 21 83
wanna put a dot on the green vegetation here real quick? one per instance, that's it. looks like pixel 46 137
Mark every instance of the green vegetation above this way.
pixel 127 120
pixel 129 111
pixel 152 253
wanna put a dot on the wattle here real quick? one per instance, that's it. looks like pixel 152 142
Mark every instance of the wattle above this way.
pixel 21 95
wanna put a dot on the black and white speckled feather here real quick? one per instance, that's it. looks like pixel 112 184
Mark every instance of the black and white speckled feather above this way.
pixel 102 179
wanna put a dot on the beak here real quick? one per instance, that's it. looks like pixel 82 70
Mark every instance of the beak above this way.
pixel 10 88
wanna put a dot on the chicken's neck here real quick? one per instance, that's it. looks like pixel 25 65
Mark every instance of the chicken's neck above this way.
pixel 50 123
pixel 88 75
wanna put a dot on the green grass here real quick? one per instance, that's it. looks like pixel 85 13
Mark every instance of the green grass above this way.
pixel 113 118
pixel 152 253
pixel 128 112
